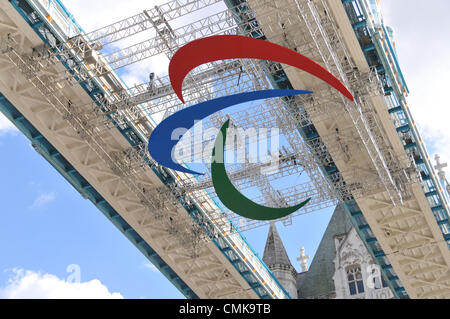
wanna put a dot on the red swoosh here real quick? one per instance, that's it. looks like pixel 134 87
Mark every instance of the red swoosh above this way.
pixel 221 47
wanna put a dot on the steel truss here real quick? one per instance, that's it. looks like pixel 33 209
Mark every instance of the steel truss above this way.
pixel 93 64
pixel 83 44
pixel 122 163
pixel 134 106
pixel 323 31
pixel 304 26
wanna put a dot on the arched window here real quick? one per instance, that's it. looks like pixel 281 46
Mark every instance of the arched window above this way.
pixel 355 280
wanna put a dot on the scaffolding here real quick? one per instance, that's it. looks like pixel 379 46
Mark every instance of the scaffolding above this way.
pixel 304 26
pixel 135 106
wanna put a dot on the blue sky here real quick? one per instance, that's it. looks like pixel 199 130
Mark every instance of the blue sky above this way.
pixel 48 226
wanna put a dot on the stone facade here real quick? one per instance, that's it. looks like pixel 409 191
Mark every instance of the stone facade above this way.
pixel 341 268
pixel 356 275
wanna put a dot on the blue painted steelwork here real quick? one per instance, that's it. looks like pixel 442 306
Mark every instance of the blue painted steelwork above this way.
pixel 50 153
pixel 391 48
pixel 281 81
pixel 96 92
pixel 408 133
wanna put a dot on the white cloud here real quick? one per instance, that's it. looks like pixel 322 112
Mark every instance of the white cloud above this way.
pixel 43 199
pixel 26 284
pixel 92 15
pixel 419 31
pixel 6 125
pixel 150 267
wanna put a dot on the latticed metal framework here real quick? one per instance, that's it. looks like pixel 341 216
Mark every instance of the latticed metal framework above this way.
pixel 120 106
pixel 350 132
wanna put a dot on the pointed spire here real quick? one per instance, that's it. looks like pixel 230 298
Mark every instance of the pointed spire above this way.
pixel 274 252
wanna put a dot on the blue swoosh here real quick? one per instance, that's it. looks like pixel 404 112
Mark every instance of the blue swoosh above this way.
pixel 160 144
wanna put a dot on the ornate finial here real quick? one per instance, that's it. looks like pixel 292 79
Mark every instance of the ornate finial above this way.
pixel 440 166
pixel 303 258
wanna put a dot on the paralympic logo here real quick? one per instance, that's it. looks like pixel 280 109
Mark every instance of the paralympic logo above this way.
pixel 216 48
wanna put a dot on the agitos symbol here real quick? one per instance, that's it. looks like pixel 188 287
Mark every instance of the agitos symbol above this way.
pixel 215 48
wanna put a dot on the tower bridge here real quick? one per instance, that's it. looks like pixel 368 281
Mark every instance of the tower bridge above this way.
pixel 60 87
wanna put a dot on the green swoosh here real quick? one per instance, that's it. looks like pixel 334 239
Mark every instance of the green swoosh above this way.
pixel 231 197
